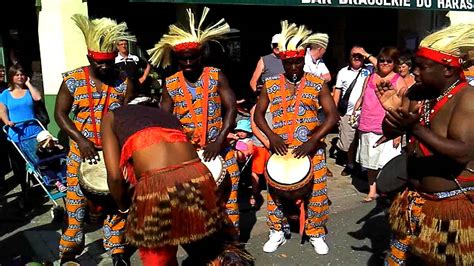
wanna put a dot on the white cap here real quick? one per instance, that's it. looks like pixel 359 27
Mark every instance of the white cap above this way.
pixel 43 135
pixel 276 38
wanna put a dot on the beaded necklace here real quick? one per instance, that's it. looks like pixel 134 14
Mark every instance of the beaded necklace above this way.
pixel 428 104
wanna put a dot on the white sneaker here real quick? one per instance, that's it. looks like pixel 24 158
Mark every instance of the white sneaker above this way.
pixel 276 239
pixel 319 245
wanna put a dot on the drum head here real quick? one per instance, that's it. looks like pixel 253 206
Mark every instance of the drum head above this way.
pixel 288 170
pixel 216 166
pixel 393 175
pixel 93 177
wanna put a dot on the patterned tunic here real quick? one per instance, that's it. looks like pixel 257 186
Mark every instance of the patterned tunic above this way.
pixel 296 134
pixel 179 90
pixel 111 97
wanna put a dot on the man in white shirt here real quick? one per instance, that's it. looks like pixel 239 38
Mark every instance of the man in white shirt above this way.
pixel 130 64
pixel 345 77
pixel 313 61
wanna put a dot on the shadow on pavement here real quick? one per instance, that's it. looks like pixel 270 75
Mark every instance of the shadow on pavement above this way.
pixel 13 217
pixel 375 228
pixel 22 247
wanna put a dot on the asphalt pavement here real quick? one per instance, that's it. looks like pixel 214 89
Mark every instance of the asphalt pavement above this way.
pixel 358 233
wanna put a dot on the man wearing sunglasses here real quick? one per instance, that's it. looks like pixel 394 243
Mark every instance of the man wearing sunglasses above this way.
pixel 349 84
pixel 88 93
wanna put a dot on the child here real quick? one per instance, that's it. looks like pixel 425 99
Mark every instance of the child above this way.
pixel 48 146
pixel 260 157
pixel 243 142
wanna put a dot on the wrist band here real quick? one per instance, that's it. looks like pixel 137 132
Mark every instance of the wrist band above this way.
pixel 368 56
pixel 124 212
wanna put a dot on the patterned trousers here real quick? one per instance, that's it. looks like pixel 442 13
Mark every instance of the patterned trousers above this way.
pixel 316 205
pixel 72 239
pixel 233 171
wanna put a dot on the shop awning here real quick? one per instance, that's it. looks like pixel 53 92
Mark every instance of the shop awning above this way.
pixel 466 5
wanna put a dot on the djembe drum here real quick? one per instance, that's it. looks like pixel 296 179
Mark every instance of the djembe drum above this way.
pixel 93 182
pixel 288 176
pixel 393 177
pixel 216 167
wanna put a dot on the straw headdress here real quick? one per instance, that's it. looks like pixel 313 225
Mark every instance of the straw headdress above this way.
pixel 449 45
pixel 101 35
pixel 179 39
pixel 294 39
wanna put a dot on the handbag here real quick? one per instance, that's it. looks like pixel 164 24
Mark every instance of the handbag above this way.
pixel 344 100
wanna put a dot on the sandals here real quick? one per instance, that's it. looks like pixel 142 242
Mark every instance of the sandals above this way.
pixel 369 199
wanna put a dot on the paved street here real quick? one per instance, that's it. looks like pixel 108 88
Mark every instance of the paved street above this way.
pixel 358 233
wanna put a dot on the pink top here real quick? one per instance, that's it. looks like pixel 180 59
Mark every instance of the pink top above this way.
pixel 372 112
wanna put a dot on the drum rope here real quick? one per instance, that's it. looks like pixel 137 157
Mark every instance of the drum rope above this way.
pixel 299 94
pixel 189 103
pixel 91 105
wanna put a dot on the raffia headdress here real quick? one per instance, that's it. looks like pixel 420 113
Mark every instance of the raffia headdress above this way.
pixel 101 36
pixel 294 39
pixel 449 45
pixel 179 39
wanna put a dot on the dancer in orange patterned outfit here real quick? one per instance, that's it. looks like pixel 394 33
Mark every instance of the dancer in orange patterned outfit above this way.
pixel 196 96
pixel 294 99
pixel 88 93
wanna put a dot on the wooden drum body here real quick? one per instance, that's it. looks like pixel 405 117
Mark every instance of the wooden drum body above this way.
pixel 288 176
pixel 93 182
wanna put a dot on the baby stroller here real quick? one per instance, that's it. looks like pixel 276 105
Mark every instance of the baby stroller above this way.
pixel 38 168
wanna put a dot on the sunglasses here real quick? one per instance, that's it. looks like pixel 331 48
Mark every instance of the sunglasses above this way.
pixel 383 60
pixel 357 57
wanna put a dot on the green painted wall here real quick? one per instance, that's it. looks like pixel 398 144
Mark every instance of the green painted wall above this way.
pixel 50 101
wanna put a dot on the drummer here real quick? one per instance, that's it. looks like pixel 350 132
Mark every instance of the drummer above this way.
pixel 201 113
pixel 89 92
pixel 433 220
pixel 301 134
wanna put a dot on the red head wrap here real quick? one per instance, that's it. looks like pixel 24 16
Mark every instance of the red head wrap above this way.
pixel 440 57
pixel 102 56
pixel 186 45
pixel 292 54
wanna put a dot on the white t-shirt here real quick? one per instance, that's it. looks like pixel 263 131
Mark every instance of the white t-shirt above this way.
pixel 317 68
pixel 345 76
pixel 130 58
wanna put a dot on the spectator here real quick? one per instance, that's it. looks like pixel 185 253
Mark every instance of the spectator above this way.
pixel 242 140
pixel 371 117
pixel 404 69
pixel 268 66
pixel 313 63
pixel 16 105
pixel 131 65
pixel 3 83
pixel 4 159
pixel 261 154
pixel 349 84
pixel 313 60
